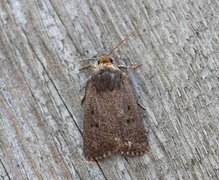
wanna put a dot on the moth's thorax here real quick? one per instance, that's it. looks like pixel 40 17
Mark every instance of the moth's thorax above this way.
pixel 107 76
pixel 106 66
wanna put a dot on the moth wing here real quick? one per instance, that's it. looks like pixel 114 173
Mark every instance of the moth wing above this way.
pixel 112 122
pixel 98 128
pixel 134 139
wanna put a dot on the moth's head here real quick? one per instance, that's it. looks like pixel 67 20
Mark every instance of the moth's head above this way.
pixel 104 59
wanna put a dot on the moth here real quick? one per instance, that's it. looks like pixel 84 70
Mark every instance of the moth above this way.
pixel 112 123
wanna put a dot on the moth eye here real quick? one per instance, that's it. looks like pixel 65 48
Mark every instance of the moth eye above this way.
pixel 92 112
pixel 111 60
pixel 129 108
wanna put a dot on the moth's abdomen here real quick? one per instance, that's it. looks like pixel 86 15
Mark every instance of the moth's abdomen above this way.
pixel 107 79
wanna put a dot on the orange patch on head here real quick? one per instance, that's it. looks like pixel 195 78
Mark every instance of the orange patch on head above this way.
pixel 104 59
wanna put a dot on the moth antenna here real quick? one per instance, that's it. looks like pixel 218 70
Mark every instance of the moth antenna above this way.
pixel 84 59
pixel 131 33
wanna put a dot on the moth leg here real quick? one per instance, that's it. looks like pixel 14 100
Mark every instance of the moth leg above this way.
pixel 82 101
pixel 57 65
pixel 134 66
pixel 89 66
pixel 141 105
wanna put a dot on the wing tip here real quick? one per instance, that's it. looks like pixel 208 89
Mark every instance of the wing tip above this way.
pixel 101 157
pixel 134 153
pixel 126 153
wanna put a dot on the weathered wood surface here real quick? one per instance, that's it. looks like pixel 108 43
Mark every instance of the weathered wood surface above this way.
pixel 41 116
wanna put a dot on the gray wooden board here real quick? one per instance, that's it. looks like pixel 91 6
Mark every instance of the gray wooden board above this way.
pixel 41 116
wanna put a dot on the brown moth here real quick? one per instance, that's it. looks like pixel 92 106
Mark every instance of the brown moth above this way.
pixel 112 123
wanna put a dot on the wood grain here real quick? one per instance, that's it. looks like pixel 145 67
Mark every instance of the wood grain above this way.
pixel 41 115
